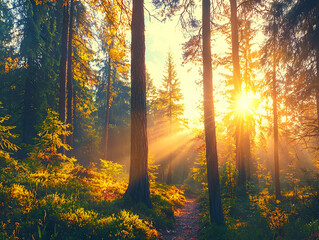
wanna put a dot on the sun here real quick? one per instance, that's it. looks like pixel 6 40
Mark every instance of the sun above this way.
pixel 245 102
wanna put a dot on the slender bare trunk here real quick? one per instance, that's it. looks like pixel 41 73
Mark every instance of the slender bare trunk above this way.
pixel 276 154
pixel 63 69
pixel 215 205
pixel 235 46
pixel 247 154
pixel 317 89
pixel 107 111
pixel 240 153
pixel 70 106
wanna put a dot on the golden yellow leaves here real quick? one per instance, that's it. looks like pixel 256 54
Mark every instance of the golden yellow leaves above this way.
pixel 9 64
pixel 274 215
pixel 65 3
pixel 24 197
pixel 275 218
pixel 38 2
pixel 239 224
pixel 112 32
pixel 79 216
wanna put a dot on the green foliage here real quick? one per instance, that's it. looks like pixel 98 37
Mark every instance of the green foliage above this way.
pixel 228 176
pixel 108 182
pixel 63 202
pixel 66 201
pixel 111 169
pixel 256 214
pixel 166 200
pixel 199 173
pixel 152 168
pixel 5 134
pixel 252 212
pixel 49 141
pixel 86 224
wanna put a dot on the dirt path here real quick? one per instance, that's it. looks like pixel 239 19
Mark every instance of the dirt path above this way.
pixel 187 223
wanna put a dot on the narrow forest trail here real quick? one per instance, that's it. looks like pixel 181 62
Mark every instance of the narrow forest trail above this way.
pixel 187 223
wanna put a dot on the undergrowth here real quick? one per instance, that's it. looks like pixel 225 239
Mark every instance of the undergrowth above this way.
pixel 49 196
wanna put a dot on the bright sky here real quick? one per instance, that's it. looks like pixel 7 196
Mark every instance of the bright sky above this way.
pixel 164 37
pixel 160 39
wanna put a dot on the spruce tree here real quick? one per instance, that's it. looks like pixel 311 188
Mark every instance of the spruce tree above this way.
pixel 169 106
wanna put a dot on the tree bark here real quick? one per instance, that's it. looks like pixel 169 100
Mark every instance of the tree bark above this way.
pixel 107 111
pixel 215 205
pixel 235 46
pixel 63 69
pixel 138 188
pixel 70 100
pixel 317 88
pixel 30 116
pixel 317 65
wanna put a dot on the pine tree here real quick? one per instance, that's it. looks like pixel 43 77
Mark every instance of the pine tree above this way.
pixel 301 49
pixel 169 106
pixel 169 95
pixel 37 90
pixel 272 50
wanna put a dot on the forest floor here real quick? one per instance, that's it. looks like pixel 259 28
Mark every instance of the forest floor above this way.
pixel 187 223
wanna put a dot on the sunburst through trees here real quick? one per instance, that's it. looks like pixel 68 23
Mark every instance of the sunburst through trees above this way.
pixel 93 146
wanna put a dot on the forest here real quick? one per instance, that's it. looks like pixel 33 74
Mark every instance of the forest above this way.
pixel 97 140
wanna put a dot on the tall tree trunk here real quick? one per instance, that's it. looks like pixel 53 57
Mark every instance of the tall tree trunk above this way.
pixel 215 205
pixel 31 108
pixel 276 154
pixel 240 151
pixel 317 65
pixel 63 69
pixel 107 111
pixel 235 46
pixel 317 89
pixel 138 188
pixel 70 105
pixel 240 161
